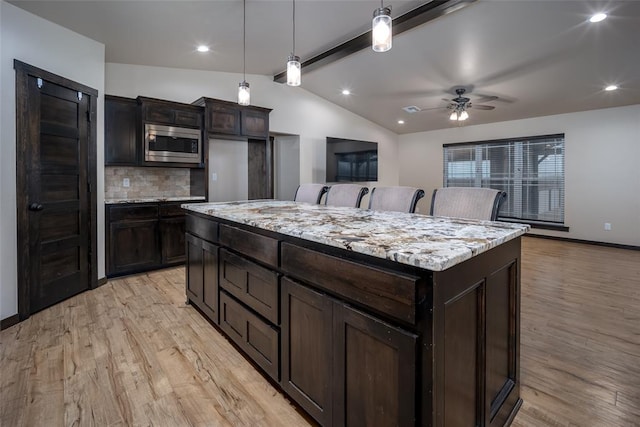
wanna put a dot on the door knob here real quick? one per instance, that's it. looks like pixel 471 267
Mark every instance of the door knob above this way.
pixel 35 207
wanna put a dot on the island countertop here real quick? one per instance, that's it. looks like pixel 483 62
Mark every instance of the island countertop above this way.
pixel 432 243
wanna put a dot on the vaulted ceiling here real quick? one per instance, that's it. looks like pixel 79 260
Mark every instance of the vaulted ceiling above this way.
pixel 539 57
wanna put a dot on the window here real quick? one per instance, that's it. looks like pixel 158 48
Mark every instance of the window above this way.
pixel 530 170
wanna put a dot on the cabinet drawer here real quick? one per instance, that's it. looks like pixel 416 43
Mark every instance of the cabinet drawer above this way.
pixel 201 227
pixel 388 292
pixel 171 209
pixel 254 336
pixel 129 212
pixel 256 246
pixel 252 284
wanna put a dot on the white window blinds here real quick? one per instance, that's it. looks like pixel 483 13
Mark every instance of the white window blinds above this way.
pixel 530 170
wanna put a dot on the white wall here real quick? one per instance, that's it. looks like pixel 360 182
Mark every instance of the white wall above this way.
pixel 228 161
pixel 286 166
pixel 40 43
pixel 602 167
pixel 295 111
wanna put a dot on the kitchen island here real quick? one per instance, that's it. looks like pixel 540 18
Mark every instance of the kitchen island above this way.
pixel 365 317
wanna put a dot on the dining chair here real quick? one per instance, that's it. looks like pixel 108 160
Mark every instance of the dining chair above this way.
pixel 399 199
pixel 349 195
pixel 310 193
pixel 467 202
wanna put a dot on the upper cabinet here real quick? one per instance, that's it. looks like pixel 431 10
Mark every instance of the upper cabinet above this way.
pixel 229 118
pixel 170 113
pixel 121 131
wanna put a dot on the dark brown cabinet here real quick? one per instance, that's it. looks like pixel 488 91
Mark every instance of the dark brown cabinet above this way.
pixel 357 340
pixel 229 118
pixel 307 349
pixel 144 236
pixel 202 275
pixel 133 241
pixel 331 353
pixel 255 122
pixel 121 131
pixel 164 112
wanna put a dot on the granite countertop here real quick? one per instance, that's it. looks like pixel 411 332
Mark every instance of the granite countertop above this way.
pixel 153 199
pixel 432 243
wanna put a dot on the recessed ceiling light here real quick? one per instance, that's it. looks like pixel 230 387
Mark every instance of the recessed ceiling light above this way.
pixel 400 122
pixel 611 87
pixel 202 48
pixel 346 92
pixel 598 17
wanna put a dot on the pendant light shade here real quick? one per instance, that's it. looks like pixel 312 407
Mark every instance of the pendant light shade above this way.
pixel 244 94
pixel 454 116
pixel 381 29
pixel 294 69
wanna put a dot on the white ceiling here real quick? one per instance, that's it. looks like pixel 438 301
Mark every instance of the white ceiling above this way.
pixel 540 57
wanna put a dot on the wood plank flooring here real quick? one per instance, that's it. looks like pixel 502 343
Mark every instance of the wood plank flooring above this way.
pixel 132 353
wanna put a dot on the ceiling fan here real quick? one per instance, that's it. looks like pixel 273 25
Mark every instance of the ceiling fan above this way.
pixel 460 104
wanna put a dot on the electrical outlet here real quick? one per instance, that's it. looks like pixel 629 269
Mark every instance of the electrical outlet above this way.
pixel 607 226
pixel 214 176
pixel 125 182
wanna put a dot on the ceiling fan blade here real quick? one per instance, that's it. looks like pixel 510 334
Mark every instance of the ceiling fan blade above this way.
pixel 432 108
pixel 482 107
pixel 486 98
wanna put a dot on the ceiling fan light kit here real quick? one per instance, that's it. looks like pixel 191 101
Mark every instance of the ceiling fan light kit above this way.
pixel 381 33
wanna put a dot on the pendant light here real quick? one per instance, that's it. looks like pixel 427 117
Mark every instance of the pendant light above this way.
pixel 381 29
pixel 293 62
pixel 244 94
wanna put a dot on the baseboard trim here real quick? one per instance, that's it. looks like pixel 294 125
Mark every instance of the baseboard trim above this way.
pixel 9 322
pixel 586 242
pixel 102 281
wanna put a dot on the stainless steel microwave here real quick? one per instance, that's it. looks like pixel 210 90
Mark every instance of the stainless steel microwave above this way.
pixel 172 144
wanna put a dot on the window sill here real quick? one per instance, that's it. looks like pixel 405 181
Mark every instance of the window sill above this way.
pixel 540 225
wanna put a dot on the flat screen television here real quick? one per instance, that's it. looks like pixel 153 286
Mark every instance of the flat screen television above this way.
pixel 350 160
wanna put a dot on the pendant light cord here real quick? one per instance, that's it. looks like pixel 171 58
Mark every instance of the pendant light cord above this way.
pixel 244 39
pixel 294 28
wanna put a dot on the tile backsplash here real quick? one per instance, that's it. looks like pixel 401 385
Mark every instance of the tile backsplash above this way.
pixel 146 182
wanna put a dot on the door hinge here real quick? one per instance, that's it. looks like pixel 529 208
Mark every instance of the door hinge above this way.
pixel 88 116
pixel 39 82
pixel 89 187
pixel 79 96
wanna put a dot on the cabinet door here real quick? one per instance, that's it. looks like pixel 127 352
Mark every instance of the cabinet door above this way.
pixel 172 240
pixel 133 246
pixel 306 349
pixel 202 275
pixel 374 375
pixel 195 269
pixel 159 114
pixel 210 293
pixel 120 131
pixel 223 119
pixel 255 123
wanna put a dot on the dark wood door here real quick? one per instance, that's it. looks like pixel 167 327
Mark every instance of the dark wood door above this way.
pixel 306 349
pixel 134 246
pixel 195 269
pixel 121 131
pixel 54 188
pixel 374 375
pixel 172 240
pixel 202 275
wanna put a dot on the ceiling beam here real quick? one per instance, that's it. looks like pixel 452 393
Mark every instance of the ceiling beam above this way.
pixel 418 16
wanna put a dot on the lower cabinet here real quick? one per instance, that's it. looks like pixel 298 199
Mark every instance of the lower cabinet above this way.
pixel 144 236
pixel 202 275
pixel 133 246
pixel 343 366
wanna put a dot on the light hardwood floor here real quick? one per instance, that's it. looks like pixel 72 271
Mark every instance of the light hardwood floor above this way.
pixel 132 353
